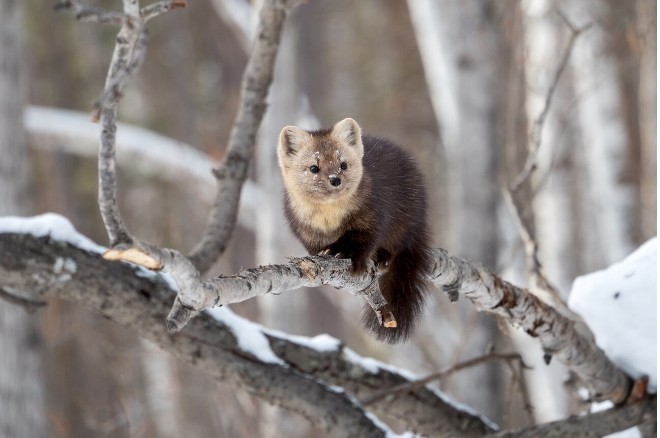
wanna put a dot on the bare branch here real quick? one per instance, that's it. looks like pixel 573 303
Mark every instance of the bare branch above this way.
pixel 520 308
pixel 592 425
pixel 161 7
pixel 98 15
pixel 453 275
pixel 409 386
pixel 233 171
pixel 195 296
pixel 124 294
pixel 89 14
pixel 538 281
pixel 537 128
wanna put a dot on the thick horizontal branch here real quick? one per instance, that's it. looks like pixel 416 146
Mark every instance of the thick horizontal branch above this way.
pixel 140 301
pixel 453 275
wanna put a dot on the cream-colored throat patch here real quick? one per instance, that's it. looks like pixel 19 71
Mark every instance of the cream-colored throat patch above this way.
pixel 324 217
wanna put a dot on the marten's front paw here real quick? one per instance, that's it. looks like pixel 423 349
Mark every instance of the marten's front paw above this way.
pixel 358 264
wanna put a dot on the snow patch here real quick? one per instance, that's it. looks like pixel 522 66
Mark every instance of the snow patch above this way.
pixel 619 304
pixel 249 335
pixel 49 224
pixel 323 343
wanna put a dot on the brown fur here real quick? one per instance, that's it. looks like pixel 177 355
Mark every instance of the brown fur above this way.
pixel 376 209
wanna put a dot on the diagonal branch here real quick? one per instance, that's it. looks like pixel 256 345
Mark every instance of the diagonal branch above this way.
pixel 535 135
pixel 520 308
pixel 127 57
pixel 538 281
pixel 233 171
pixel 409 386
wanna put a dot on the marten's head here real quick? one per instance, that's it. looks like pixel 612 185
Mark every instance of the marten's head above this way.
pixel 322 166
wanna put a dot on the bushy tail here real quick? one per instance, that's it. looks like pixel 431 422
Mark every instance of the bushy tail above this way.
pixel 404 288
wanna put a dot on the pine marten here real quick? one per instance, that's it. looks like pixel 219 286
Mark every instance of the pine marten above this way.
pixel 361 197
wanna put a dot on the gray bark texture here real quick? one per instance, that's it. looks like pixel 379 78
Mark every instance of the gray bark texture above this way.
pixel 22 410
pixel 455 276
pixel 301 384
pixel 307 379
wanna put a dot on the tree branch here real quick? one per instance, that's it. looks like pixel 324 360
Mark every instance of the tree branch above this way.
pixel 409 386
pixel 296 379
pixel 520 308
pixel 453 275
pixel 594 425
pixel 233 171
pixel 535 135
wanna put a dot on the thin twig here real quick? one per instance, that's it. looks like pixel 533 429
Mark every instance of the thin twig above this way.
pixel 97 15
pixel 30 306
pixel 537 278
pixel 415 384
pixel 159 8
pixel 88 13
pixel 535 136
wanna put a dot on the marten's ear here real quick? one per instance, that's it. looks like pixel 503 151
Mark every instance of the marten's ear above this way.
pixel 291 139
pixel 348 132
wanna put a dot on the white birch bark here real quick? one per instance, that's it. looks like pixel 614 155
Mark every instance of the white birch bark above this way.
pixel 614 197
pixel 458 42
pixel 285 312
pixel 22 409
pixel 553 213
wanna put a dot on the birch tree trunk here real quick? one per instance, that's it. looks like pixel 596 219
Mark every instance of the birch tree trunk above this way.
pixel 22 412
pixel 553 205
pixel 285 312
pixel 460 43
pixel 611 143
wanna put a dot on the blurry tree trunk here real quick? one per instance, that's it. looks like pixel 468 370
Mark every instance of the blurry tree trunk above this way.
pixel 607 98
pixel 553 189
pixel 22 412
pixel 287 312
pixel 648 94
pixel 461 44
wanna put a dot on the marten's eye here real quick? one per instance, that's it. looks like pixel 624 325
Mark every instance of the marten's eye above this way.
pixel 343 165
pixel 314 169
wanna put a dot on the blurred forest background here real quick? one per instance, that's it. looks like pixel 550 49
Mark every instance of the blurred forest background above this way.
pixel 459 83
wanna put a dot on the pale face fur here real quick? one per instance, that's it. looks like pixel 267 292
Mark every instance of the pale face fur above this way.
pixel 314 198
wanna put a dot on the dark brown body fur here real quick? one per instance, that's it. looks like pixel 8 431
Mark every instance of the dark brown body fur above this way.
pixel 387 223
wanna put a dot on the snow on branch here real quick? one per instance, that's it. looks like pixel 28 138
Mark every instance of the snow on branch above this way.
pixel 40 256
pixel 46 257
pixel 453 275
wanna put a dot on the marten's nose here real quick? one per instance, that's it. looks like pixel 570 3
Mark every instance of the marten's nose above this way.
pixel 335 181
